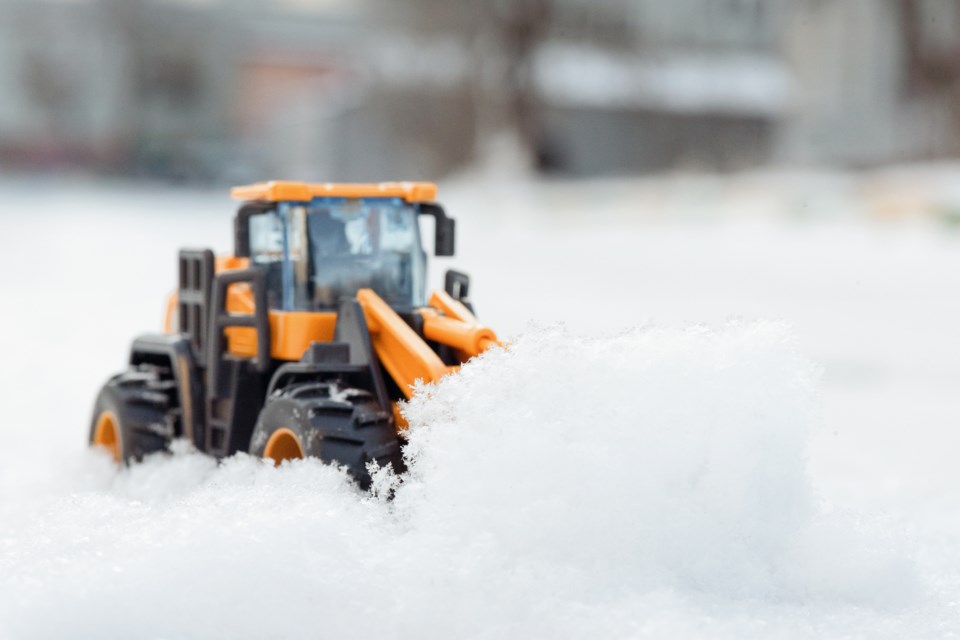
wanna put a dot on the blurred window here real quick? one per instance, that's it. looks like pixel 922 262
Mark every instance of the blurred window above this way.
pixel 366 245
pixel 315 255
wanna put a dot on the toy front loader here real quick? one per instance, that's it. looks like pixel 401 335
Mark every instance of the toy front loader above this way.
pixel 303 342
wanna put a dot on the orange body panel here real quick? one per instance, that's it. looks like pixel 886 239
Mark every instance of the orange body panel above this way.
pixel 276 191
pixel 404 354
pixel 291 332
pixel 230 263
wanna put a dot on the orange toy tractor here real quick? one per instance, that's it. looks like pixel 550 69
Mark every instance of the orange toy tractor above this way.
pixel 303 341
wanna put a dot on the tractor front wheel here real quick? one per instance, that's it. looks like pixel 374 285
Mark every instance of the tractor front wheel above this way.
pixel 130 416
pixel 339 426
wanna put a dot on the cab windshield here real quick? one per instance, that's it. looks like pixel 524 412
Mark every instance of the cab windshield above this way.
pixel 315 254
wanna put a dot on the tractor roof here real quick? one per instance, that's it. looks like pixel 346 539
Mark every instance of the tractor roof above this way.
pixel 277 191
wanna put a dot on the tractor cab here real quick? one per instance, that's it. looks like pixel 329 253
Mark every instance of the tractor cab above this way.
pixel 318 244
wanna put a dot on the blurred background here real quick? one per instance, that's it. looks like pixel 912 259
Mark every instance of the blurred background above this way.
pixel 211 91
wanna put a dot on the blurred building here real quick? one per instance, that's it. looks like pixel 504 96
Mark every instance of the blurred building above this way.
pixel 371 89
pixel 646 85
pixel 217 90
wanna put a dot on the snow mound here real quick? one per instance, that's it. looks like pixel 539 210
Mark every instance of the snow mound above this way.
pixel 660 458
pixel 648 484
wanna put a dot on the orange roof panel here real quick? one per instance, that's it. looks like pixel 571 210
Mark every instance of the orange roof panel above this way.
pixel 277 191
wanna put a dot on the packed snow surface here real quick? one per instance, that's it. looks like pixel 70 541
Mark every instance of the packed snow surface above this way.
pixel 635 473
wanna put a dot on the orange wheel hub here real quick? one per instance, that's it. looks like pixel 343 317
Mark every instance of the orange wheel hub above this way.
pixel 106 434
pixel 283 445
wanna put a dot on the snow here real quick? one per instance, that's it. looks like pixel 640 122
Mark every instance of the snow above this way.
pixel 727 410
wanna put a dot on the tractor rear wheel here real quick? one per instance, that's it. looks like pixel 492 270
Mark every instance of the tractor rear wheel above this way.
pixel 319 420
pixel 130 415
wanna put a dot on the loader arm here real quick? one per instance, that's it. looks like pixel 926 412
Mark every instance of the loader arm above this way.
pixel 405 355
pixel 449 322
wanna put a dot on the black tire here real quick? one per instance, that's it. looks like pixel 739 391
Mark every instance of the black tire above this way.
pixel 339 426
pixel 136 403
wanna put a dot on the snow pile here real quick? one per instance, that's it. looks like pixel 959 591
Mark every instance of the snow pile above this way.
pixel 649 484
pixel 660 458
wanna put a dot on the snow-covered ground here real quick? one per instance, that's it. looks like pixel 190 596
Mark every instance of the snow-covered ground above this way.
pixel 729 410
